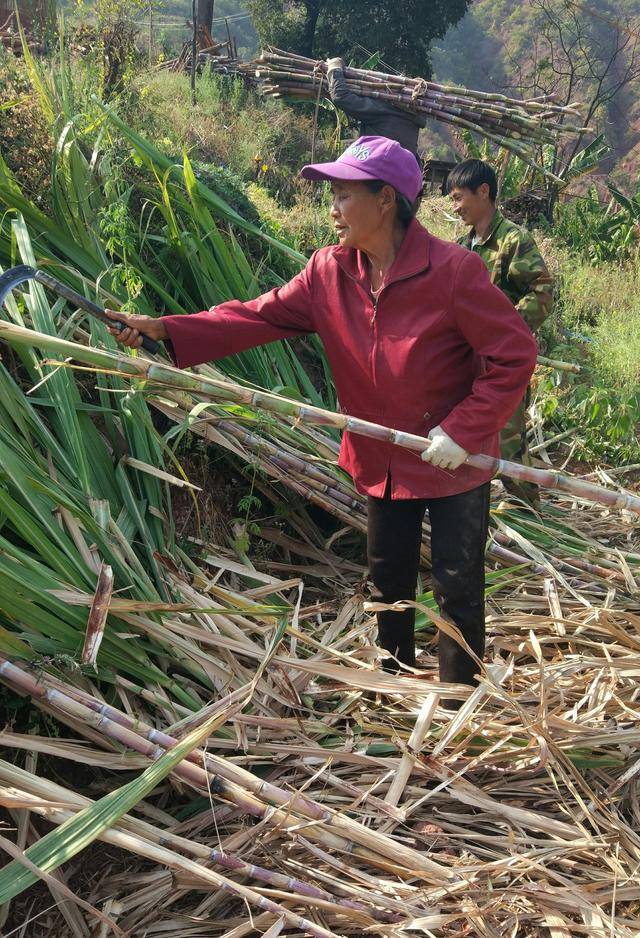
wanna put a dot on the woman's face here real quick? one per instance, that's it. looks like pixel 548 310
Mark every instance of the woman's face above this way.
pixel 358 214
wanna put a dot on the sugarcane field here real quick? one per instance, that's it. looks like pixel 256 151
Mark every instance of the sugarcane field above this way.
pixel 319 468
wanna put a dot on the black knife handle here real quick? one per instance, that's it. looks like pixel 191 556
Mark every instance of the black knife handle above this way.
pixel 89 307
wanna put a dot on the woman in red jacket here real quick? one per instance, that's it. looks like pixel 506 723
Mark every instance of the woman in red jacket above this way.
pixel 405 319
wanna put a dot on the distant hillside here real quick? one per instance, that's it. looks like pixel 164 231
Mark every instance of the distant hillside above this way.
pixel 496 41
pixel 491 48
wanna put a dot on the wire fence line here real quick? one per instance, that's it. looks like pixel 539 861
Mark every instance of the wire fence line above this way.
pixel 183 23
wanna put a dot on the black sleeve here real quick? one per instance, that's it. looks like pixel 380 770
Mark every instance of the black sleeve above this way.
pixel 354 104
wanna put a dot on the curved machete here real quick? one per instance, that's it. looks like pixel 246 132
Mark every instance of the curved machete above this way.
pixel 13 277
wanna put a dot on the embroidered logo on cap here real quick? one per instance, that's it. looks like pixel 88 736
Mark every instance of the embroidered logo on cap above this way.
pixel 359 150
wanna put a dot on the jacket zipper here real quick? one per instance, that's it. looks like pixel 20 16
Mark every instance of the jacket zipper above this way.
pixel 374 326
pixel 373 319
pixel 374 339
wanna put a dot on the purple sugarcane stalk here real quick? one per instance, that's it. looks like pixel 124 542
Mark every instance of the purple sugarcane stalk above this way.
pixel 153 743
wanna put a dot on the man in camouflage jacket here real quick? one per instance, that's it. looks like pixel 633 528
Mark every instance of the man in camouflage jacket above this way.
pixel 516 266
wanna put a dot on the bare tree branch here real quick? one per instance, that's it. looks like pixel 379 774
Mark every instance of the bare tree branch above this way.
pixel 577 58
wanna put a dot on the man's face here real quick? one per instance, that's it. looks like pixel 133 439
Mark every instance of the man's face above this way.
pixel 470 206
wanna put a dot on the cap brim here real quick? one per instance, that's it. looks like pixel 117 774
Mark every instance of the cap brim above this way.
pixel 340 171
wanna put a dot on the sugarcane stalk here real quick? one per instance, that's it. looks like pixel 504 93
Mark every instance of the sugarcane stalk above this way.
pixel 558 365
pixel 573 563
pixel 507 140
pixel 164 375
pixel 140 846
pixel 38 788
pixel 510 558
pixel 338 831
pixel 517 118
pixel 337 498
pixel 454 105
pixel 346 505
pixel 153 845
pixel 515 123
pixel 294 472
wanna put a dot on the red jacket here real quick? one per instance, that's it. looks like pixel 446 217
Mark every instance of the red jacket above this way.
pixel 411 363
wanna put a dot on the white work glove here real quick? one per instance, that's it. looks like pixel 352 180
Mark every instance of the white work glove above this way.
pixel 442 451
pixel 333 64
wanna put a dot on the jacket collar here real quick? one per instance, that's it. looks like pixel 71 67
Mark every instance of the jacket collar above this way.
pixel 411 259
pixel 496 221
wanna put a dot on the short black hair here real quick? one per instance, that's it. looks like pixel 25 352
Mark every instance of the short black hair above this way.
pixel 470 174
pixel 405 210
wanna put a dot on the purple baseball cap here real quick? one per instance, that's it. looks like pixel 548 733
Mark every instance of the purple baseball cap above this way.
pixel 373 158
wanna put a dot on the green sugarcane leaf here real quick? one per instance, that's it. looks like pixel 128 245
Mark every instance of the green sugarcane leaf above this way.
pixel 159 162
pixel 12 646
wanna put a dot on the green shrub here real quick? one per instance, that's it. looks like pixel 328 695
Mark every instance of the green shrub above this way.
pixel 598 322
pixel 228 185
pixel 436 214
pixel 25 143
pixel 597 232
pixel 307 225
pixel 604 420
pixel 587 294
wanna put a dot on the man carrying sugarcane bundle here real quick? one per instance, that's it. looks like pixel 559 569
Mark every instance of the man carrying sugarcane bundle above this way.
pixel 377 118
pixel 517 268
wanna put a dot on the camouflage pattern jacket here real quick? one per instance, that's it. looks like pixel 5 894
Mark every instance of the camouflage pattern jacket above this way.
pixel 516 266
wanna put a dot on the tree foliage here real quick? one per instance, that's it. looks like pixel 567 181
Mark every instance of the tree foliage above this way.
pixel 402 32
pixel 110 27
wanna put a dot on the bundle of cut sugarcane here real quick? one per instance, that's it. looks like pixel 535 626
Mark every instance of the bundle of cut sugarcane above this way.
pixel 205 57
pixel 514 124
pixel 219 56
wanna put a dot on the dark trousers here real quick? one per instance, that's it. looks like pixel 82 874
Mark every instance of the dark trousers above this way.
pixel 459 525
